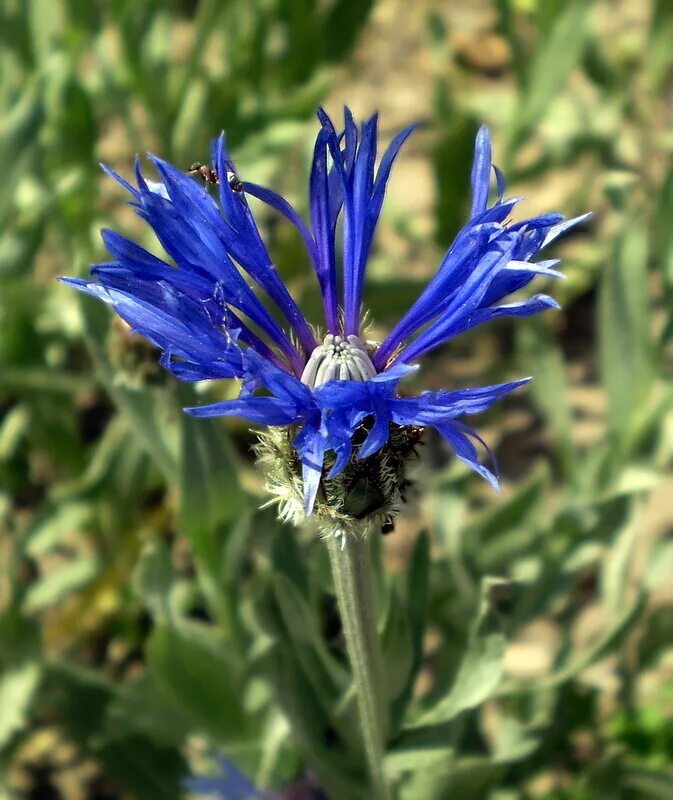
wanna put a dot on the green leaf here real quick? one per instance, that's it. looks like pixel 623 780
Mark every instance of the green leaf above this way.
pixel 544 360
pixel 196 674
pixel 49 533
pixel 509 529
pixel 468 777
pixel 143 768
pixel 141 708
pixel 211 502
pixel 617 569
pixel 78 697
pixel 46 22
pixel 18 685
pixel 649 784
pixel 192 125
pixel 552 62
pixel 61 581
pixel 452 158
pixel 624 331
pixel 481 668
pixel 658 49
pixel 396 647
pixel 603 645
pixel 152 578
pixel 338 767
pixel 418 759
pixel 418 588
pixel 210 492
pixel 150 412
pixel 328 676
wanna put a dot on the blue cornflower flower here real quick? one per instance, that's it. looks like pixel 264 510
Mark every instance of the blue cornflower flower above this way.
pixel 339 430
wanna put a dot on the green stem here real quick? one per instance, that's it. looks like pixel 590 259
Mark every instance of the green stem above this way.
pixel 352 573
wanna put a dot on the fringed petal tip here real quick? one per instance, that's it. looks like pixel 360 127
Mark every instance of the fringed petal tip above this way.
pixel 121 181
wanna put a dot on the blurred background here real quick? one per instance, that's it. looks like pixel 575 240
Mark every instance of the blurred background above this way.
pixel 143 627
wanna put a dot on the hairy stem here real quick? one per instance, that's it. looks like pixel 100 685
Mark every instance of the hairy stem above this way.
pixel 352 573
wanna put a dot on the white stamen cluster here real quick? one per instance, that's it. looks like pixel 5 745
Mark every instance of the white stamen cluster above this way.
pixel 338 358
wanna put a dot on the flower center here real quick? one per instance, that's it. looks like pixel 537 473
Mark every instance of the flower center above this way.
pixel 338 358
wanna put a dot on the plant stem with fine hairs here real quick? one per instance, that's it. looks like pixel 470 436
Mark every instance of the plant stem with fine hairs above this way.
pixel 352 573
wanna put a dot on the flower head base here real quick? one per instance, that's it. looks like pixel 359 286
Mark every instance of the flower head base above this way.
pixel 365 497
pixel 339 430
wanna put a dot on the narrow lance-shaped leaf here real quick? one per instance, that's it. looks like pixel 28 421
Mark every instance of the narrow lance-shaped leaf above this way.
pixel 481 668
pixel 624 337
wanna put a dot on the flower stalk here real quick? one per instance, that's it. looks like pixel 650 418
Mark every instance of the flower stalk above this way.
pixel 352 574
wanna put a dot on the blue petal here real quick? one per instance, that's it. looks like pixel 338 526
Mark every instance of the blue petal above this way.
pixel 465 451
pixel 121 181
pixel 228 784
pixel 481 171
pixel 501 183
pixel 236 235
pixel 472 245
pixel 431 408
pixel 281 205
pixel 174 324
pixel 278 382
pixel 338 433
pixel 194 235
pixel 563 227
pixel 363 195
pixel 310 445
pixel 465 301
pixel 324 228
pixel 377 436
pixel 262 410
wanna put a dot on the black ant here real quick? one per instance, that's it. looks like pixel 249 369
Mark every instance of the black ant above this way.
pixel 210 176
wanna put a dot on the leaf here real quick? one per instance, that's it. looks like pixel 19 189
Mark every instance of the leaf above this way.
pixel 418 759
pixel 555 57
pixel 544 360
pixel 18 685
pixel 143 768
pixel 328 676
pixel 150 412
pixel 396 647
pixel 211 501
pixel 46 22
pixel 649 784
pixel 508 530
pixel 467 777
pixel 481 668
pixel 418 588
pixel 192 124
pixel 58 583
pixel 78 697
pixel 624 325
pixel 152 578
pixel 617 569
pixel 210 492
pixel 51 532
pixel 196 674
pixel 337 766
pixel 452 158
pixel 660 564
pixel 658 49
pixel 140 708
pixel 603 645
pixel 108 448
